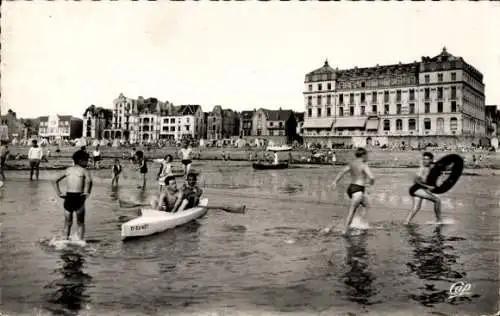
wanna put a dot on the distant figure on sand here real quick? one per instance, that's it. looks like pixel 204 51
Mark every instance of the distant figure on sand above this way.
pixel 143 168
pixel 117 169
pixel 361 176
pixel 4 152
pixel 35 155
pixel 420 190
pixel 96 155
pixel 186 154
pixel 79 186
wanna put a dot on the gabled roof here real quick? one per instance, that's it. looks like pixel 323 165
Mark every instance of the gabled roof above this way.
pixel 188 109
pixel 247 115
pixel 278 115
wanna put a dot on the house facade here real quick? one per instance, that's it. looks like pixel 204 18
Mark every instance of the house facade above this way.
pixel 246 123
pixel 437 98
pixel 95 121
pixel 57 127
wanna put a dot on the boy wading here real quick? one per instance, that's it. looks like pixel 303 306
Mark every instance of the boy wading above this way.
pixel 79 186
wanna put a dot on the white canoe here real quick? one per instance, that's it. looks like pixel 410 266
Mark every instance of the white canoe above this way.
pixel 279 148
pixel 152 221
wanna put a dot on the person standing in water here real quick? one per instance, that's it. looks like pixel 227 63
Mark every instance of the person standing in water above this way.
pixel 4 152
pixel 420 190
pixel 165 170
pixel 361 176
pixel 96 155
pixel 79 187
pixel 117 169
pixel 143 168
pixel 186 154
pixel 35 155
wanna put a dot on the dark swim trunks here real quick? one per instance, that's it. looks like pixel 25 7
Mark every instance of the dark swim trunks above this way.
pixel 186 161
pixel 73 201
pixel 414 188
pixel 353 188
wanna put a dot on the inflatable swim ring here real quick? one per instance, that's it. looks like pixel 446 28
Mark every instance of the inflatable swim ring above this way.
pixel 452 163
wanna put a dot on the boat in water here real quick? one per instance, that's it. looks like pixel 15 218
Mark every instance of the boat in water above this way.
pixel 269 166
pixel 153 221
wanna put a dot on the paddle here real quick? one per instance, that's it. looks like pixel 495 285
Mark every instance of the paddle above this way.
pixel 225 208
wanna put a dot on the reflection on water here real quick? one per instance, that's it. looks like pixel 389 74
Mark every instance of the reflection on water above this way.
pixel 358 278
pixel 433 261
pixel 67 294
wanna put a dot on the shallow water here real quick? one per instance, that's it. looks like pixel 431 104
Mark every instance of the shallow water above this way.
pixel 270 259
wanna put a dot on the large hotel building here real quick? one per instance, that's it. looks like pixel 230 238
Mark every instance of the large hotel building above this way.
pixel 431 101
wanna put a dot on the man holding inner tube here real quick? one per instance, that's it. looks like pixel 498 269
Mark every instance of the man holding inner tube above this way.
pixel 420 190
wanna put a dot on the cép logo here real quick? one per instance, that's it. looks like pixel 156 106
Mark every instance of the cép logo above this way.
pixel 459 289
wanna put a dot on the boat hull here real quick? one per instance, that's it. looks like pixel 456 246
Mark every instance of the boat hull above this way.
pixel 263 166
pixel 152 221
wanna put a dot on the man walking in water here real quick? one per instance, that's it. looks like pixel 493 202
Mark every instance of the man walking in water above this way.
pixel 79 186
pixel 186 158
pixel 420 190
pixel 35 155
pixel 360 175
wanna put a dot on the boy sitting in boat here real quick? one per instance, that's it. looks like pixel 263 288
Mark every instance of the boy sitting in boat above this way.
pixel 190 194
pixel 170 195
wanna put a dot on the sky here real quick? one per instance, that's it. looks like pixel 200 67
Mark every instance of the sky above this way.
pixel 59 57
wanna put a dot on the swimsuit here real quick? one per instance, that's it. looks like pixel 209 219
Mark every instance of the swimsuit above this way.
pixel 414 188
pixel 144 167
pixel 353 188
pixel 186 161
pixel 116 169
pixel 74 201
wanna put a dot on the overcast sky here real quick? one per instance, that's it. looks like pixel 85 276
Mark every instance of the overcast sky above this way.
pixel 60 57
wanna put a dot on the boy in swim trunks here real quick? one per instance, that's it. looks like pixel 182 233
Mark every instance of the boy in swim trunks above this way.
pixel 190 194
pixel 421 191
pixel 169 196
pixel 117 169
pixel 186 158
pixel 361 175
pixel 79 186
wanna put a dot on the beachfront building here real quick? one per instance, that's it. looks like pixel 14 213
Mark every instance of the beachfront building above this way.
pixel 95 121
pixel 431 101
pixel 278 126
pixel 246 123
pixel 11 127
pixel 222 124
pixel 60 127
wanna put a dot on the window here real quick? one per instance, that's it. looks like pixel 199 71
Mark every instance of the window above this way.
pixel 310 87
pixel 440 107
pixel 427 123
pixel 363 98
pixel 351 98
pixel 453 93
pixel 398 95
pixel 362 84
pixel 341 111
pixel 320 87
pixel 440 77
pixel 172 121
pixel 351 111
pixel 427 93
pixel 398 108
pixel 386 96
pixel 440 125
pixel 386 109
pixel 427 107
pixel 453 106
pixel 399 125
pixel 341 99
pixel 329 99
pixel 309 100
pixel 440 92
pixel 329 86
pixel 374 97
pixel 453 76
pixel 411 108
pixel 412 124
pixel 374 108
pixel 412 94
pixel 362 110
pixel 309 112
pixel 319 100
pixel 328 111
pixel 387 125
pixel 427 78
pixel 453 124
